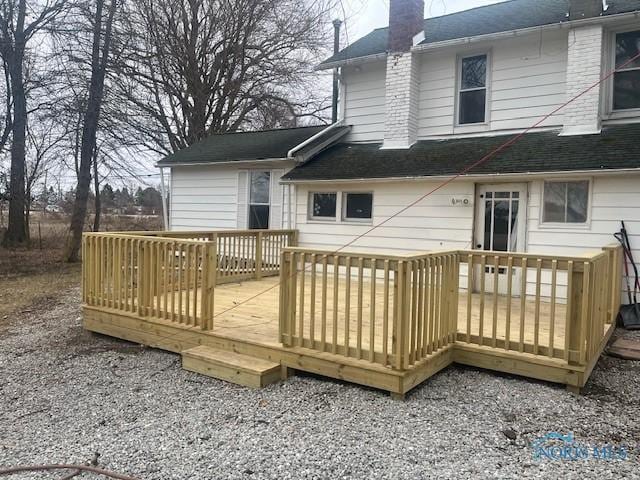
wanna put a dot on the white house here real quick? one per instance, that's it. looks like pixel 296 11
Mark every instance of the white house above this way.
pixel 421 102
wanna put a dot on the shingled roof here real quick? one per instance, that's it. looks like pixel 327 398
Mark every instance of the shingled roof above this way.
pixel 615 148
pixel 244 146
pixel 501 17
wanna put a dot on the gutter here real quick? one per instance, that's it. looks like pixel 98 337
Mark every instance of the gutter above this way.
pixel 552 173
pixel 313 138
pixel 489 36
pixel 525 31
pixel 226 162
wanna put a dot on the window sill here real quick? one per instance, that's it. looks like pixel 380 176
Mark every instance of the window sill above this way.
pixel 350 221
pixel 622 114
pixel 564 226
pixel 471 128
pixel 322 221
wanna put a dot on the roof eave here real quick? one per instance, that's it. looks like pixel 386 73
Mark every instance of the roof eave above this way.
pixel 479 38
pixel 159 164
pixel 550 173
pixel 351 61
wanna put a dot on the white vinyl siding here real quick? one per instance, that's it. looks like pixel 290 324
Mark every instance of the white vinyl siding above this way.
pixel 365 101
pixel 275 211
pixel 435 224
pixel 432 224
pixel 613 198
pixel 203 198
pixel 243 199
pixel 526 81
pixel 215 197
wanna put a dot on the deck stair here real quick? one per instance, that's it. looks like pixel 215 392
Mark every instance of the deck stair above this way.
pixel 231 367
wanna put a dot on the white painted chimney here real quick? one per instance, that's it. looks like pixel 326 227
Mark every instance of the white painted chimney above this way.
pixel 584 69
pixel 406 25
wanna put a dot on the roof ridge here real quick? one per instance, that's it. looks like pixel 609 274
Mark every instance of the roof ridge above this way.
pixel 455 13
pixel 269 130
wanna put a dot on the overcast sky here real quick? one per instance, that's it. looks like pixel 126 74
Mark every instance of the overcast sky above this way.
pixel 366 15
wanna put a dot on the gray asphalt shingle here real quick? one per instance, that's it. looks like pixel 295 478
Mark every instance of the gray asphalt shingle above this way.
pixel 617 147
pixel 242 146
pixel 500 17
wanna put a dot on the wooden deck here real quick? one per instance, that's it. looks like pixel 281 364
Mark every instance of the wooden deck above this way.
pixel 237 313
pixel 324 315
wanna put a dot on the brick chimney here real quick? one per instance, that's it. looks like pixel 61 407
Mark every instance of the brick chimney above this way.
pixel 406 20
pixel 579 9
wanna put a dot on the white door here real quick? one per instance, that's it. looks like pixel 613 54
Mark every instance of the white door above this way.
pixel 500 227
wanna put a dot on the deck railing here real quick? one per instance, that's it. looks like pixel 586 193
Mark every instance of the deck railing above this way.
pixel 390 310
pixel 555 306
pixel 397 310
pixel 172 275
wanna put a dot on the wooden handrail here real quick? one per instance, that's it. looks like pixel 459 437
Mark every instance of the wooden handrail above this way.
pixel 174 278
pixel 394 310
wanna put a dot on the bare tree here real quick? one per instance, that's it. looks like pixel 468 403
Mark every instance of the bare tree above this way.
pixel 45 137
pixel 197 67
pixel 100 53
pixel 19 24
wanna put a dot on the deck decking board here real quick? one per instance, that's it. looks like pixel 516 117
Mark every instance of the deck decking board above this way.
pixel 250 325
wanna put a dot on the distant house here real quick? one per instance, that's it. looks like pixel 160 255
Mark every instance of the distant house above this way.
pixel 422 100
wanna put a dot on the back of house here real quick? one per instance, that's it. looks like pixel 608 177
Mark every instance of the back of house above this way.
pixel 507 119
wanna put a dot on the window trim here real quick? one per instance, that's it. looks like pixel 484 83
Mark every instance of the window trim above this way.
pixel 566 225
pixel 250 203
pixel 344 217
pixel 312 217
pixel 458 89
pixel 612 113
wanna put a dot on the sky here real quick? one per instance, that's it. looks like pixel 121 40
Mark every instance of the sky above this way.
pixel 362 16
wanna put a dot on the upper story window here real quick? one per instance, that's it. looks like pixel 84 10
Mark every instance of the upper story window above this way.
pixel 472 90
pixel 626 81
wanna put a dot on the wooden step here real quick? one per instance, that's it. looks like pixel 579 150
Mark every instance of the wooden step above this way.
pixel 231 367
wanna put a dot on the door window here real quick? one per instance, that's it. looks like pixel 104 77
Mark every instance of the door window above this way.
pixel 501 221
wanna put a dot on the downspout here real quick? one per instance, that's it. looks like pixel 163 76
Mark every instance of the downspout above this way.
pixel 163 191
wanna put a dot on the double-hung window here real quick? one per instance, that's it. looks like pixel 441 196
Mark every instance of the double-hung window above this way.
pixel 626 81
pixel 472 90
pixel 259 195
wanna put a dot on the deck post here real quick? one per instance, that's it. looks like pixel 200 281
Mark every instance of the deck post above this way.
pixel 208 285
pixel 614 279
pixel 400 327
pixel 258 253
pixel 575 333
pixel 283 311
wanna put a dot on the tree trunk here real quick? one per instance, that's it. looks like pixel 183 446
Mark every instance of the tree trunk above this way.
pixel 90 126
pixel 97 201
pixel 17 233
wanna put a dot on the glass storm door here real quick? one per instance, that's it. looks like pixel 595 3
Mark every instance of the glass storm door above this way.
pixel 501 219
pixel 259 196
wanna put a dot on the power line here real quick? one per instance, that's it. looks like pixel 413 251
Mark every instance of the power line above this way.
pixel 451 179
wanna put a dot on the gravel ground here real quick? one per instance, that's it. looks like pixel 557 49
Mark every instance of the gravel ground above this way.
pixel 67 394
